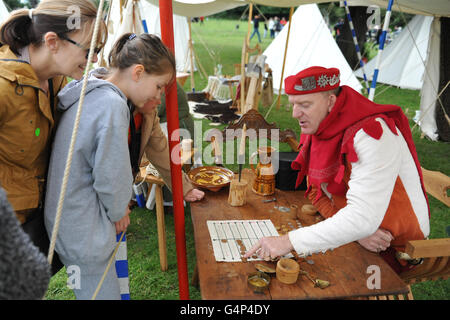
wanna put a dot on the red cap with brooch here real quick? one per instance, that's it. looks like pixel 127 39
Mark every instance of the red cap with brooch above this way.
pixel 313 79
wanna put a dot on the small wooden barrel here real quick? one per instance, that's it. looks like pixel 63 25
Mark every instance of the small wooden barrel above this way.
pixel 287 270
pixel 238 192
pixel 309 209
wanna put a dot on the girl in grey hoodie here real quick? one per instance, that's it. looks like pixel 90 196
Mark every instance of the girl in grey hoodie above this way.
pixel 100 182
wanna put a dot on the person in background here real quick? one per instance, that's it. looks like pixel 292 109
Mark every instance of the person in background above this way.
pixel 271 27
pixel 363 173
pixel 38 50
pixel 186 122
pixel 255 22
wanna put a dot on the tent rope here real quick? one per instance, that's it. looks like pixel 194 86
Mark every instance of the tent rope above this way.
pixel 422 115
pixel 108 266
pixel 73 138
pixel 301 57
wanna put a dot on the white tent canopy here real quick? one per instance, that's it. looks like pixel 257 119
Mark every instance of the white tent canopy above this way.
pixel 121 21
pixel 3 12
pixel 310 44
pixel 403 60
pixel 197 8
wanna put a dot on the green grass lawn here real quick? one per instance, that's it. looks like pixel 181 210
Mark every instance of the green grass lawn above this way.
pixel 224 46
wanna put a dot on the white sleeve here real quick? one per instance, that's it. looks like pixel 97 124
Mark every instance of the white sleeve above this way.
pixel 371 184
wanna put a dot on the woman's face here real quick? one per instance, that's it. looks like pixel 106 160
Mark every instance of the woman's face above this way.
pixel 146 92
pixel 71 57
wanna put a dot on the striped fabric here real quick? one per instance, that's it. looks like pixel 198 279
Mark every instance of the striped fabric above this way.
pixel 122 268
pixel 387 18
pixel 355 41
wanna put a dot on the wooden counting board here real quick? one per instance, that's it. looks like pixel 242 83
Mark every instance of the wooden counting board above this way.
pixel 229 237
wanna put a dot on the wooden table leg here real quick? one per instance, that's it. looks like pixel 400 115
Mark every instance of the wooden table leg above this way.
pixel 161 227
pixel 194 280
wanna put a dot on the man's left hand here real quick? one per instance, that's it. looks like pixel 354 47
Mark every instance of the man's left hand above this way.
pixel 377 242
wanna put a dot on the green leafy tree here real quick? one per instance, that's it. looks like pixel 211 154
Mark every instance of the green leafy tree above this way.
pixel 14 4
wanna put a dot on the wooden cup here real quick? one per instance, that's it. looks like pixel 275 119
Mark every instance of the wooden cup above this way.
pixel 238 192
pixel 309 209
pixel 287 271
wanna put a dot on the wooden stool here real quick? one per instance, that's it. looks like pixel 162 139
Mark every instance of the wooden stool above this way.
pixel 159 183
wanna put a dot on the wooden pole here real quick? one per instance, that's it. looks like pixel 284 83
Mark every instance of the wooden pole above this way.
pixel 284 58
pixel 191 55
pixel 249 28
pixel 245 47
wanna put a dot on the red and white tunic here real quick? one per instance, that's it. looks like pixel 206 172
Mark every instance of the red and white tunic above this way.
pixel 383 191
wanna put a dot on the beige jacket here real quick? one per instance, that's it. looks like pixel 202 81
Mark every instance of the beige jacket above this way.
pixel 155 148
pixel 26 125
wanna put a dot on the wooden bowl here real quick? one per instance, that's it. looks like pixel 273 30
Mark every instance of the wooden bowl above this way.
pixel 210 177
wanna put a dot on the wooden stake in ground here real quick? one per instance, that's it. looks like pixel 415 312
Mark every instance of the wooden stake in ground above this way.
pixel 284 58
pixel 191 55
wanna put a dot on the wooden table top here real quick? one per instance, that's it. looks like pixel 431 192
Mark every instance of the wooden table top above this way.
pixel 346 267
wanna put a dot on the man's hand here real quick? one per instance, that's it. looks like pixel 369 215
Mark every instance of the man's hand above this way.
pixel 271 247
pixel 123 223
pixel 377 242
pixel 194 195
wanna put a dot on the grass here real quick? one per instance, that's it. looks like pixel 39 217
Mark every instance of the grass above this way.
pixel 224 42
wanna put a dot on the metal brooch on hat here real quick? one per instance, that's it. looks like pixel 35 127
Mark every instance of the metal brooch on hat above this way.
pixel 308 83
pixel 333 80
pixel 322 81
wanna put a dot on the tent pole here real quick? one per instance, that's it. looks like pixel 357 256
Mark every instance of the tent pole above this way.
pixel 245 46
pixel 355 41
pixel 166 18
pixel 249 28
pixel 387 18
pixel 191 49
pixel 284 58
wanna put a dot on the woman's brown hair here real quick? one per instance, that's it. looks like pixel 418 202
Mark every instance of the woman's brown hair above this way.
pixel 60 16
pixel 145 49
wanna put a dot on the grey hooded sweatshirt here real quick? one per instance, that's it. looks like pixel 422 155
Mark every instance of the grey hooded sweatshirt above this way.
pixel 100 181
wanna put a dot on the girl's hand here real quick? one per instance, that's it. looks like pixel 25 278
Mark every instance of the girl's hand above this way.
pixel 194 195
pixel 122 224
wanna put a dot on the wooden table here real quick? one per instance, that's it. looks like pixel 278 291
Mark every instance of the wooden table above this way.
pixel 346 267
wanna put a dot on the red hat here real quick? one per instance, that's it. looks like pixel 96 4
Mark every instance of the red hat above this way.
pixel 313 79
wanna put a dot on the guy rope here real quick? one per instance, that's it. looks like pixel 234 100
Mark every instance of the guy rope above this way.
pixel 71 148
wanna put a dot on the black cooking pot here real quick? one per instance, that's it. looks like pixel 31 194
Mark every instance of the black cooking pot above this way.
pixel 285 178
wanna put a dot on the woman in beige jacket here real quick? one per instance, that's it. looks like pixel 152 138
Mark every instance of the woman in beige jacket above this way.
pixel 39 48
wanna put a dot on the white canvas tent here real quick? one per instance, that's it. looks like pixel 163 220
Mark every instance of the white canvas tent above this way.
pixel 310 44
pixel 403 60
pixel 132 19
pixel 412 62
pixel 3 12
